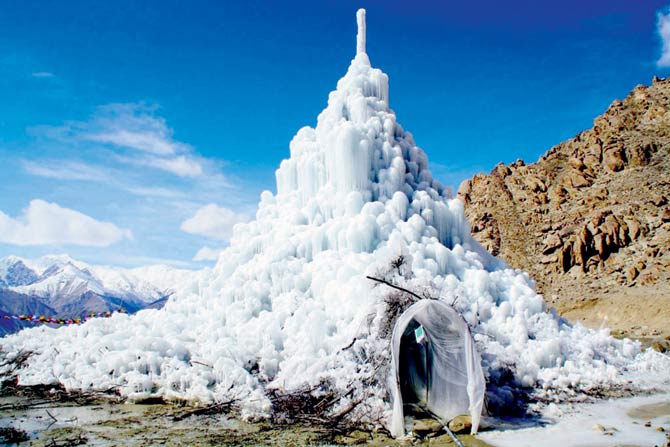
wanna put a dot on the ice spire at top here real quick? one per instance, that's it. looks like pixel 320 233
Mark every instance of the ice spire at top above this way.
pixel 360 36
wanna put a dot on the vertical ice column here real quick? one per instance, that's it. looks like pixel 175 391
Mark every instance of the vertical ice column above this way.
pixel 360 37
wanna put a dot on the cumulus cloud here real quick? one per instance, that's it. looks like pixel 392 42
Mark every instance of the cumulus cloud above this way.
pixel 207 254
pixel 213 221
pixel 663 27
pixel 44 223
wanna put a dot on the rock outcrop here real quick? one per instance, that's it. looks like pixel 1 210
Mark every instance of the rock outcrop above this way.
pixel 592 216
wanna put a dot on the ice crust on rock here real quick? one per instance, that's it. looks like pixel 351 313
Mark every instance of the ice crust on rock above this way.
pixel 290 292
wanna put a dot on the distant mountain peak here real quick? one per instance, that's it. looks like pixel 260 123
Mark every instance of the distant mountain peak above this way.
pixel 14 272
pixel 64 286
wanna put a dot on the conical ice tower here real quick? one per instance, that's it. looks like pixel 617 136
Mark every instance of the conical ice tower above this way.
pixel 289 305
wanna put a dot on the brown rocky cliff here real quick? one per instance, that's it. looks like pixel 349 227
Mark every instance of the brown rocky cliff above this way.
pixel 590 220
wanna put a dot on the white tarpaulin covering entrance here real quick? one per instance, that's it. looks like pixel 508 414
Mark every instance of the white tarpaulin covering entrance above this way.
pixel 435 365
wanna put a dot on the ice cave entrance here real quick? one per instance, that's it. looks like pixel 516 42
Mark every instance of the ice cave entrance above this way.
pixel 435 365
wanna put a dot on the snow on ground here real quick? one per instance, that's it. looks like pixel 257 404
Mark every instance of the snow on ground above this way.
pixel 605 423
pixel 290 292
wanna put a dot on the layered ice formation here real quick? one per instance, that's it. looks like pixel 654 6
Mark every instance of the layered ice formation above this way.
pixel 288 303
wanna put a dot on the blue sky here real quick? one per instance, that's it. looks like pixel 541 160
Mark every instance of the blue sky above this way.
pixel 134 132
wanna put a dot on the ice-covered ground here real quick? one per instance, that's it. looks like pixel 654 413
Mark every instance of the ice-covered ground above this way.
pixel 630 421
pixel 290 293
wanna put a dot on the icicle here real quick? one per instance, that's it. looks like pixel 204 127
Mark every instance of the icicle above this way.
pixel 360 37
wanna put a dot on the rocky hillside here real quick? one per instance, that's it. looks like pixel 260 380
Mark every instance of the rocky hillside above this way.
pixel 590 220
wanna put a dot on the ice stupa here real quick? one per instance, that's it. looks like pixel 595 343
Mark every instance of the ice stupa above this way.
pixel 288 304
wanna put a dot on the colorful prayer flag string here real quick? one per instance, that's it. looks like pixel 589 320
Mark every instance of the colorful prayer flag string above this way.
pixel 60 321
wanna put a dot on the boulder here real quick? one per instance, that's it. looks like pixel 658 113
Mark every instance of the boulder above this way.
pixel 551 243
pixel 659 200
pixel 640 153
pixel 577 163
pixel 579 252
pixel 631 273
pixel 576 179
pixel 614 158
pixel 464 191
pixel 460 424
pixel 592 160
pixel 658 346
pixel 634 229
pixel 649 276
pixel 600 245
pixel 599 427
pixel 565 257
pixel 502 170
pixel 535 184
pixel 423 427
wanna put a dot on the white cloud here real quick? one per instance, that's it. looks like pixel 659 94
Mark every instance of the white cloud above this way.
pixel 44 223
pixel 43 74
pixel 155 191
pixel 213 221
pixel 65 170
pixel 663 27
pixel 180 165
pixel 76 170
pixel 207 254
pixel 137 128
pixel 135 134
pixel 145 140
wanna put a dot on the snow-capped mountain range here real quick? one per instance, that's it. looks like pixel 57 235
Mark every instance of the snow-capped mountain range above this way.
pixel 61 286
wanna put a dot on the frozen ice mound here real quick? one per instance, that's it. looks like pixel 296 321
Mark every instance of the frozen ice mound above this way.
pixel 288 303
